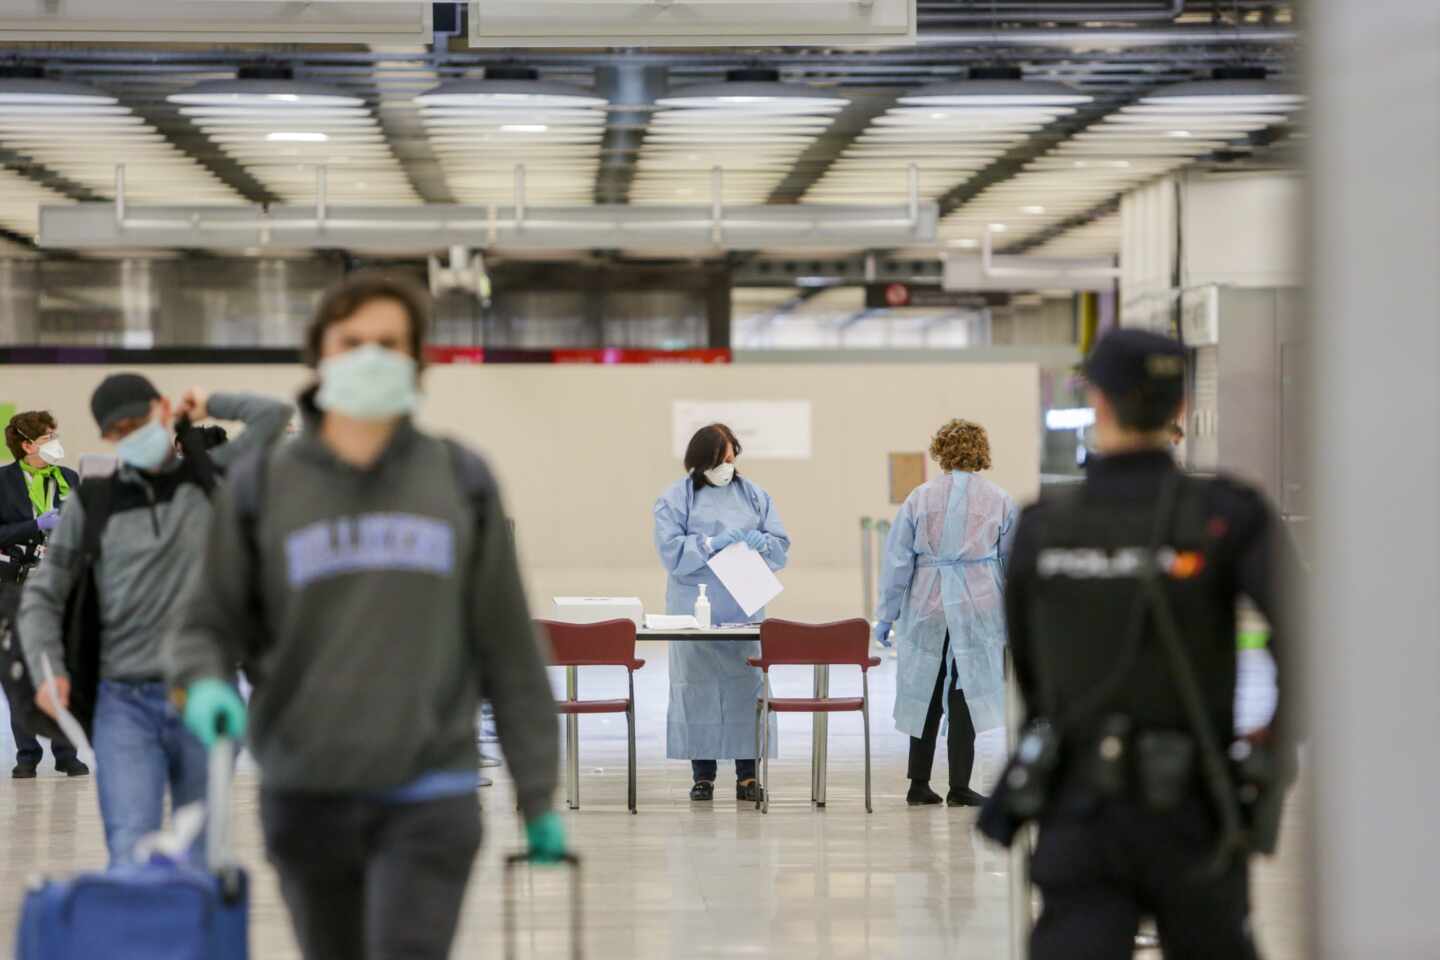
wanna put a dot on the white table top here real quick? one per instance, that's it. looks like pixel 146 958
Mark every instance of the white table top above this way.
pixel 716 633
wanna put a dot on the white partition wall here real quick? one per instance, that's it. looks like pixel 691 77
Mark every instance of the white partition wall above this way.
pixel 583 452
pixel 1374 706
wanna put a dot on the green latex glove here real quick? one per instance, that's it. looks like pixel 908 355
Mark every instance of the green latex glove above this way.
pixel 207 703
pixel 547 838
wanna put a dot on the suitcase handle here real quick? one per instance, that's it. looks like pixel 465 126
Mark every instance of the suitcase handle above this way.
pixel 512 864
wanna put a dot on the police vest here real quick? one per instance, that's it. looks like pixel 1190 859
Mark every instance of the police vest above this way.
pixel 1094 647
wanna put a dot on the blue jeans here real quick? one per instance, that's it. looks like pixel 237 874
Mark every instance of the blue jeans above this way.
pixel 140 748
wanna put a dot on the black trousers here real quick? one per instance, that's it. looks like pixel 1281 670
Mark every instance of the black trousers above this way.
pixel 28 752
pixel 1101 874
pixel 364 880
pixel 959 743
pixel 710 769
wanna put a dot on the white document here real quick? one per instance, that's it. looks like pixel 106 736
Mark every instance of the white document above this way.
pixel 662 621
pixel 747 576
pixel 68 724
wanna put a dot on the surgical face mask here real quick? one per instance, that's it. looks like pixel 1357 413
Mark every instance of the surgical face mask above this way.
pixel 368 383
pixel 51 451
pixel 721 475
pixel 147 448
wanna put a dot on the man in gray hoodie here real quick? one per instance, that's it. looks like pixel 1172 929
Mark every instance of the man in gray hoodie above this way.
pixel 150 545
pixel 366 577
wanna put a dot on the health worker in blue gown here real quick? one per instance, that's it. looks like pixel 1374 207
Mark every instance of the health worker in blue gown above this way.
pixel 713 691
pixel 942 589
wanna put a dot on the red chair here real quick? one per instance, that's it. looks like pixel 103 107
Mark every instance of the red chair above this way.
pixel 785 643
pixel 608 644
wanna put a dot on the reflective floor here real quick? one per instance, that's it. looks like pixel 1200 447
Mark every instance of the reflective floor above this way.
pixel 683 879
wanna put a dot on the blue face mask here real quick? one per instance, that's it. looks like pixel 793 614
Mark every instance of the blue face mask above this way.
pixel 147 448
pixel 368 383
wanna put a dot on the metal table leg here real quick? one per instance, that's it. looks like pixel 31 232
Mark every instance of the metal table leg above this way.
pixel 572 741
pixel 820 746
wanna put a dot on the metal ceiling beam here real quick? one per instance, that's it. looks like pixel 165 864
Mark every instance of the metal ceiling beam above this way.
pixel 1053 231
pixel 812 165
pixel 629 85
pixel 189 140
pixel 935 14
pixel 1179 35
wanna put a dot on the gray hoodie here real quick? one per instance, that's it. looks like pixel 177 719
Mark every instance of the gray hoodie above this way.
pixel 389 603
pixel 148 552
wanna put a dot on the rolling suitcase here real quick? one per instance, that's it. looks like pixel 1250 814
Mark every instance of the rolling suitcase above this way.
pixel 160 910
pixel 512 865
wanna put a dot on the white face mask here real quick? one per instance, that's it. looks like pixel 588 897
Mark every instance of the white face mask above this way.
pixel 722 475
pixel 51 452
pixel 368 383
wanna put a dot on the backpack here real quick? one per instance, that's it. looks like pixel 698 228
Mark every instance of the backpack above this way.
pixel 80 625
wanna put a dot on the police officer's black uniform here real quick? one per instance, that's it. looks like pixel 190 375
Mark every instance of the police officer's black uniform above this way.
pixel 1112 847
pixel 21 544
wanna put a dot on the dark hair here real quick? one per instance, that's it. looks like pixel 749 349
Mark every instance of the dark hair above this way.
pixel 707 451
pixel 23 427
pixel 1148 408
pixel 360 288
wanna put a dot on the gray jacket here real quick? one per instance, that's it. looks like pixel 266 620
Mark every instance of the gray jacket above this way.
pixel 387 603
pixel 148 552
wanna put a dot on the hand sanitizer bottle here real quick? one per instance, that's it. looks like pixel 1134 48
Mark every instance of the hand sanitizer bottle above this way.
pixel 702 609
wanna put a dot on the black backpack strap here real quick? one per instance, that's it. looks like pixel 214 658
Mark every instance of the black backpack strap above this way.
pixel 198 465
pixel 97 496
pixel 248 482
pixel 473 476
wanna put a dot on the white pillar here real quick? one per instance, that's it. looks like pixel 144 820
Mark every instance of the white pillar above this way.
pixel 1374 668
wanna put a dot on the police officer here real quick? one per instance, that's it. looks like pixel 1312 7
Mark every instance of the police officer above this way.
pixel 1121 604
pixel 32 490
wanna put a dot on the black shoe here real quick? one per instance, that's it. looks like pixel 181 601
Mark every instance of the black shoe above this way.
pixel 23 771
pixel 703 790
pixel 965 798
pixel 749 791
pixel 73 768
pixel 921 795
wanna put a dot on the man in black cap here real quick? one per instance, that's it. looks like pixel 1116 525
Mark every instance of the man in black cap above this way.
pixel 1121 605
pixel 152 540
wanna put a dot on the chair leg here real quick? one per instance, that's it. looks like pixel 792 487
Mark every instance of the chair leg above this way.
pixel 865 712
pixel 630 722
pixel 763 802
pixel 759 744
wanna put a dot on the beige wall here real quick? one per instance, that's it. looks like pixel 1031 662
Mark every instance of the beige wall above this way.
pixel 584 451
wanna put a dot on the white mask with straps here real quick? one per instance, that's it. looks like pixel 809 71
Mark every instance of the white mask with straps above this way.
pixel 722 475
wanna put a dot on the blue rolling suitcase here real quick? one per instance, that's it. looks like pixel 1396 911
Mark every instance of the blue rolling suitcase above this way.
pixel 156 911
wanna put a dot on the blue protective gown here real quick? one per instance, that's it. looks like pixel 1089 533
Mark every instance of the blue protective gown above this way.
pixel 944 570
pixel 713 690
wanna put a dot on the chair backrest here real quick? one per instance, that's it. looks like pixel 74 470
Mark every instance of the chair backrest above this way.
pixel 833 644
pixel 607 644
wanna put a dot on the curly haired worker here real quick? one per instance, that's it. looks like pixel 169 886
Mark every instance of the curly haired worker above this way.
pixel 943 591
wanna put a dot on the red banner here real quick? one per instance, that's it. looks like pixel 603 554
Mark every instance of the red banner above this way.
pixel 604 356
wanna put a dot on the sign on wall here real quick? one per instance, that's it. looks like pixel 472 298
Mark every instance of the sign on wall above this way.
pixel 777 430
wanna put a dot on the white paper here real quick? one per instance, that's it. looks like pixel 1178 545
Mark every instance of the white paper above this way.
pixel 747 576
pixel 68 724
pixel 778 430
pixel 661 621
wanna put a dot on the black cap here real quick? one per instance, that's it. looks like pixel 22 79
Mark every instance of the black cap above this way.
pixel 1127 361
pixel 121 396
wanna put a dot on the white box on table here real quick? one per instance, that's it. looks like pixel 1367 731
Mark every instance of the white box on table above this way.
pixel 599 609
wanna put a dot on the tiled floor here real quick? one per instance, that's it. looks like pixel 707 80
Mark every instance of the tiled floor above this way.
pixel 680 879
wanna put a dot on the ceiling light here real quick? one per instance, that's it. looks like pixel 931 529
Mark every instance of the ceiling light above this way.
pixel 523 128
pixel 25 85
pixel 998 228
pixel 264 86
pixel 995 86
pixel 296 136
pixel 1182 134
pixel 753 88
pixel 1033 210
pixel 509 87
pixel 1229 87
